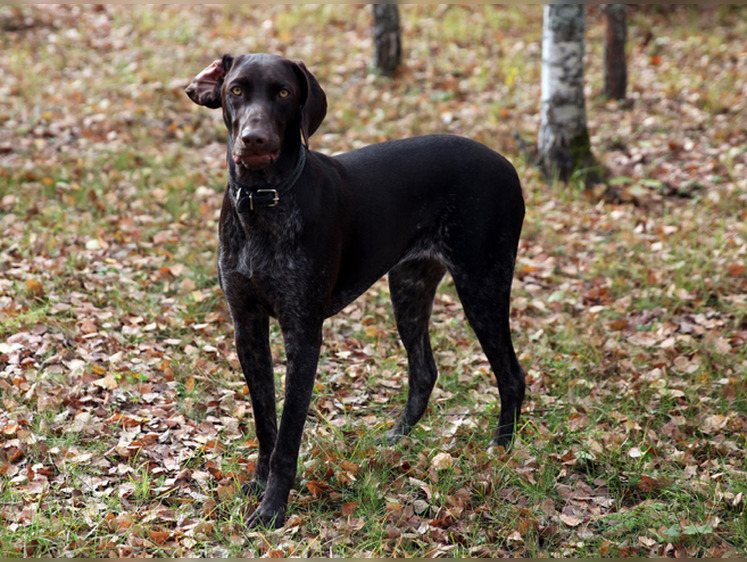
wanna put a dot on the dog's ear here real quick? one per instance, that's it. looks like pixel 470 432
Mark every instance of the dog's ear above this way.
pixel 204 89
pixel 313 107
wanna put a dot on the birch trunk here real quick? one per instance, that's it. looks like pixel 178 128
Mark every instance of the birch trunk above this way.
pixel 387 38
pixel 615 66
pixel 563 143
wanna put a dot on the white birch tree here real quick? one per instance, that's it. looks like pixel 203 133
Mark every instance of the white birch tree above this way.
pixel 564 145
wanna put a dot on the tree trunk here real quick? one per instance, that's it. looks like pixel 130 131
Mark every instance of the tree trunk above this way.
pixel 564 144
pixel 387 38
pixel 615 67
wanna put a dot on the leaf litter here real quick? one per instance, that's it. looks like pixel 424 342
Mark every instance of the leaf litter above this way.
pixel 125 427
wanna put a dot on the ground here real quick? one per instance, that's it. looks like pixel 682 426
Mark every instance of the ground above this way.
pixel 126 428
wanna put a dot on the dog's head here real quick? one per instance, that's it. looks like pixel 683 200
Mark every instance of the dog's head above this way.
pixel 264 98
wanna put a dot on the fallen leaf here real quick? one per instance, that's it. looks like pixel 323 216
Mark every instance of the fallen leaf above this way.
pixel 570 520
pixel 120 522
pixel 735 269
pixel 34 287
pixel 420 506
pixel 636 452
pixel 317 488
pixel 158 537
pixel 227 493
pixel 442 461
pixel 714 423
pixel 349 508
pixel 108 382
pixel 514 537
pixel 349 466
pixel 80 422
pixel 87 326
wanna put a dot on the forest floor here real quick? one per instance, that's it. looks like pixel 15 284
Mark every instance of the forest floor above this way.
pixel 125 425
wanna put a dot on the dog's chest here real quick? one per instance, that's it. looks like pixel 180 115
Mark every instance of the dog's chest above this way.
pixel 260 275
pixel 268 259
pixel 263 255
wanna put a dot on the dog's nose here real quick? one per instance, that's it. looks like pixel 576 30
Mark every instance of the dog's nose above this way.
pixel 254 137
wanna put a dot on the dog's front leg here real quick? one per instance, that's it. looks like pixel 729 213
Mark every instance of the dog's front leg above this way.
pixel 253 347
pixel 302 345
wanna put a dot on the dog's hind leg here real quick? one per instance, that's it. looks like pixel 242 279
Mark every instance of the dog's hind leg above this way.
pixel 485 299
pixel 413 287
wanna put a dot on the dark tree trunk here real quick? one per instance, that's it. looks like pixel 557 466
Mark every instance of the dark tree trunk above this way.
pixel 387 38
pixel 615 66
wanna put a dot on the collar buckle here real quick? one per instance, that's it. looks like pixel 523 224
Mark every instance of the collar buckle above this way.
pixel 275 196
pixel 269 196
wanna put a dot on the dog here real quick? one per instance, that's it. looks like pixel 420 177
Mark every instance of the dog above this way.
pixel 302 235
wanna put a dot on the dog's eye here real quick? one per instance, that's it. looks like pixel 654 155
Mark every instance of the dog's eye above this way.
pixel 236 91
pixel 284 93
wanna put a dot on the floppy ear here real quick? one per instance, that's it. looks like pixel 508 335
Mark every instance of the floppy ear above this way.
pixel 205 87
pixel 313 101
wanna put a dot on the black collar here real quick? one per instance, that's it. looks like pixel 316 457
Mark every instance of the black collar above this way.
pixel 247 198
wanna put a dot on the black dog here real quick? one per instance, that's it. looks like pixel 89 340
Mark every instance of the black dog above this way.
pixel 302 235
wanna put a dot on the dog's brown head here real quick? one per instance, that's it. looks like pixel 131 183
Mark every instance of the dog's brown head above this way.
pixel 265 99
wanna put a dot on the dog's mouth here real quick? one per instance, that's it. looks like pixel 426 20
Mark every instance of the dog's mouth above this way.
pixel 255 160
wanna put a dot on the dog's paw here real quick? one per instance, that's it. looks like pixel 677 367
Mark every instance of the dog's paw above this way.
pixel 253 488
pixel 266 518
pixel 396 433
pixel 500 445
pixel 392 437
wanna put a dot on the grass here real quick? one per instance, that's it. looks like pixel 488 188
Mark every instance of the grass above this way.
pixel 126 429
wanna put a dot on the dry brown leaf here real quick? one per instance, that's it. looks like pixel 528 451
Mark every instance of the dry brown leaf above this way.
pixel 317 488
pixel 34 287
pixel 159 537
pixel 714 423
pixel 442 461
pixel 571 520
pixel 227 493
pixel 108 382
pixel 349 508
pixel 120 523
